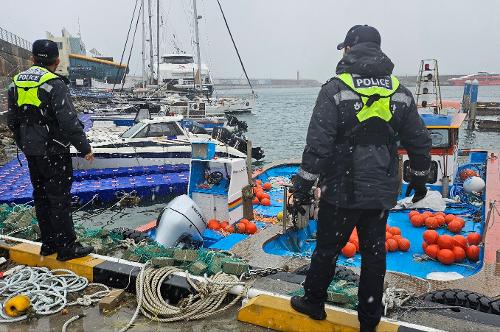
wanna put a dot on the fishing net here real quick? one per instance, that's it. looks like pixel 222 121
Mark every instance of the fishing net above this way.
pixel 340 292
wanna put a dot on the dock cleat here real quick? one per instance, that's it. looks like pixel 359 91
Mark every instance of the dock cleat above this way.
pixel 76 250
pixel 313 310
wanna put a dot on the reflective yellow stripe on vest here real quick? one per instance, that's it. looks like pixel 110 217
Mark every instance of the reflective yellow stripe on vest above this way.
pixel 385 88
pixel 28 82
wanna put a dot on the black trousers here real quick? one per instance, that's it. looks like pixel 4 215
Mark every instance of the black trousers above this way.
pixel 51 177
pixel 335 225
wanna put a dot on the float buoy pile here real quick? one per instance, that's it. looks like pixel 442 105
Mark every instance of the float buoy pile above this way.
pixel 244 226
pixel 448 249
pixel 436 220
pixel 41 291
pixel 394 241
pixel 260 196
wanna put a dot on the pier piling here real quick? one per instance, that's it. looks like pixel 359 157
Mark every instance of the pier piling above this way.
pixel 473 104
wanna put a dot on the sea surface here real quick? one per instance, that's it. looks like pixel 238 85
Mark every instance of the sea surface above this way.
pixel 279 124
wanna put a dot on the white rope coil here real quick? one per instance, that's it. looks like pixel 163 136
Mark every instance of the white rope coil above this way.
pixel 206 300
pixel 46 289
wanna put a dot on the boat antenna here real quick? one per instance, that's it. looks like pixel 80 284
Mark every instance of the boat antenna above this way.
pixel 143 47
pixel 151 56
pixel 197 41
pixel 235 48
pixel 125 46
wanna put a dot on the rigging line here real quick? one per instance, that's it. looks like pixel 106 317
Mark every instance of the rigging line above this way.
pixel 132 45
pixel 125 46
pixel 235 48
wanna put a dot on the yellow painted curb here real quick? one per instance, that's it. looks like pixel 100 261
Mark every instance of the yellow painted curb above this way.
pixel 29 254
pixel 276 313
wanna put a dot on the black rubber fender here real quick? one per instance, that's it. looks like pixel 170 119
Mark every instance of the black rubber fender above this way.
pixel 133 234
pixel 464 298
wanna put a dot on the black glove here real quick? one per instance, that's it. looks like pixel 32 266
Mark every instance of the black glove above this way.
pixel 301 191
pixel 417 183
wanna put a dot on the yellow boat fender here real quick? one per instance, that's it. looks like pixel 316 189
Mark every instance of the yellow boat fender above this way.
pixel 17 305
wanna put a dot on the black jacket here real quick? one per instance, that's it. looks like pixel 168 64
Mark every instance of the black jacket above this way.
pixel 361 176
pixel 62 127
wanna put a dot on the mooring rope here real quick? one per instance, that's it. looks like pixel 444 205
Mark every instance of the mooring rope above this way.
pixel 207 299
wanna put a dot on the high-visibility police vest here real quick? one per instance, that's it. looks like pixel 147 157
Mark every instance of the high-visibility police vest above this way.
pixel 375 94
pixel 27 84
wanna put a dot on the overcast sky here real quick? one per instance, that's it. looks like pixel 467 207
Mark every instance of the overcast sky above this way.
pixel 278 37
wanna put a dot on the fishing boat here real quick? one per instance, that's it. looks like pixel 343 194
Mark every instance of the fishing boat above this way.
pixel 483 77
pixel 157 141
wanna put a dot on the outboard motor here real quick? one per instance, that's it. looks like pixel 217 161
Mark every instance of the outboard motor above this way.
pixel 180 224
pixel 224 135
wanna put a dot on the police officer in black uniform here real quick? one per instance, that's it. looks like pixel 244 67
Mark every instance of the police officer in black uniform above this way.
pixel 360 117
pixel 45 124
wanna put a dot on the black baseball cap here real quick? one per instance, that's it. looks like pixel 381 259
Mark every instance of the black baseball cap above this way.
pixel 360 34
pixel 45 51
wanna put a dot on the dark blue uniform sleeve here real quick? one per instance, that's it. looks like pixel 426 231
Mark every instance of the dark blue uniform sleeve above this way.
pixel 67 118
pixel 318 153
pixel 415 139
pixel 12 118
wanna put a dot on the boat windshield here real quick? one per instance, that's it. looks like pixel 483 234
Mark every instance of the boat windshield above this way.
pixel 178 60
pixel 131 130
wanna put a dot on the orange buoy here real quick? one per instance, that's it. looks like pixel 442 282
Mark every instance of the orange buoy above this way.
pixel 455 226
pixel 213 224
pixel 260 194
pixel 449 218
pixel 355 241
pixel 395 231
pixel 427 214
pixel 396 237
pixel 388 235
pixel 440 219
pixel 245 221
pixel 417 220
pixel 459 253
pixel 432 250
pixel 440 213
pixel 459 241
pixel 255 201
pixel 467 173
pixel 258 182
pixel 266 196
pixel 403 244
pixel 445 241
pixel 474 238
pixel 431 223
pixel 386 246
pixel 393 244
pixel 461 221
pixel 349 250
pixel 224 224
pixel 267 186
pixel 413 213
pixel 250 228
pixel 265 202
pixel 446 256
pixel 229 228
pixel 472 253
pixel 424 245
pixel 241 227
pixel 431 236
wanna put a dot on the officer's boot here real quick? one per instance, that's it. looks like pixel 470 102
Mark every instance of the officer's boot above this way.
pixel 74 250
pixel 303 305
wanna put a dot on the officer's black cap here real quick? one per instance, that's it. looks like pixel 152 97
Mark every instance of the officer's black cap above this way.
pixel 360 34
pixel 45 51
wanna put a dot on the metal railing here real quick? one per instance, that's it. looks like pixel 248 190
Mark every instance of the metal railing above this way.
pixel 14 39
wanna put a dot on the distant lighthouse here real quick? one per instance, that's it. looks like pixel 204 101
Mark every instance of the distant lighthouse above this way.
pixel 298 76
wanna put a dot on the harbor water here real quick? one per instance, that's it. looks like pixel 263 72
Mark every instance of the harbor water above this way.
pixel 279 124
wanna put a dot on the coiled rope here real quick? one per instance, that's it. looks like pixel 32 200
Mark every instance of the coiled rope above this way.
pixel 47 290
pixel 206 301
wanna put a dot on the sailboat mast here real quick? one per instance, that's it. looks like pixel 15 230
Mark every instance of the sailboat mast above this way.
pixel 151 57
pixel 143 56
pixel 197 40
pixel 158 42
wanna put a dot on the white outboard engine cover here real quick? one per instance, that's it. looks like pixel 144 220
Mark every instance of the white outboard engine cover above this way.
pixel 180 221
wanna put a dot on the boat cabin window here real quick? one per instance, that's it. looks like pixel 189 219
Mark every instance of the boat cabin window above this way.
pixel 178 60
pixel 160 130
pixel 440 138
pixel 131 130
